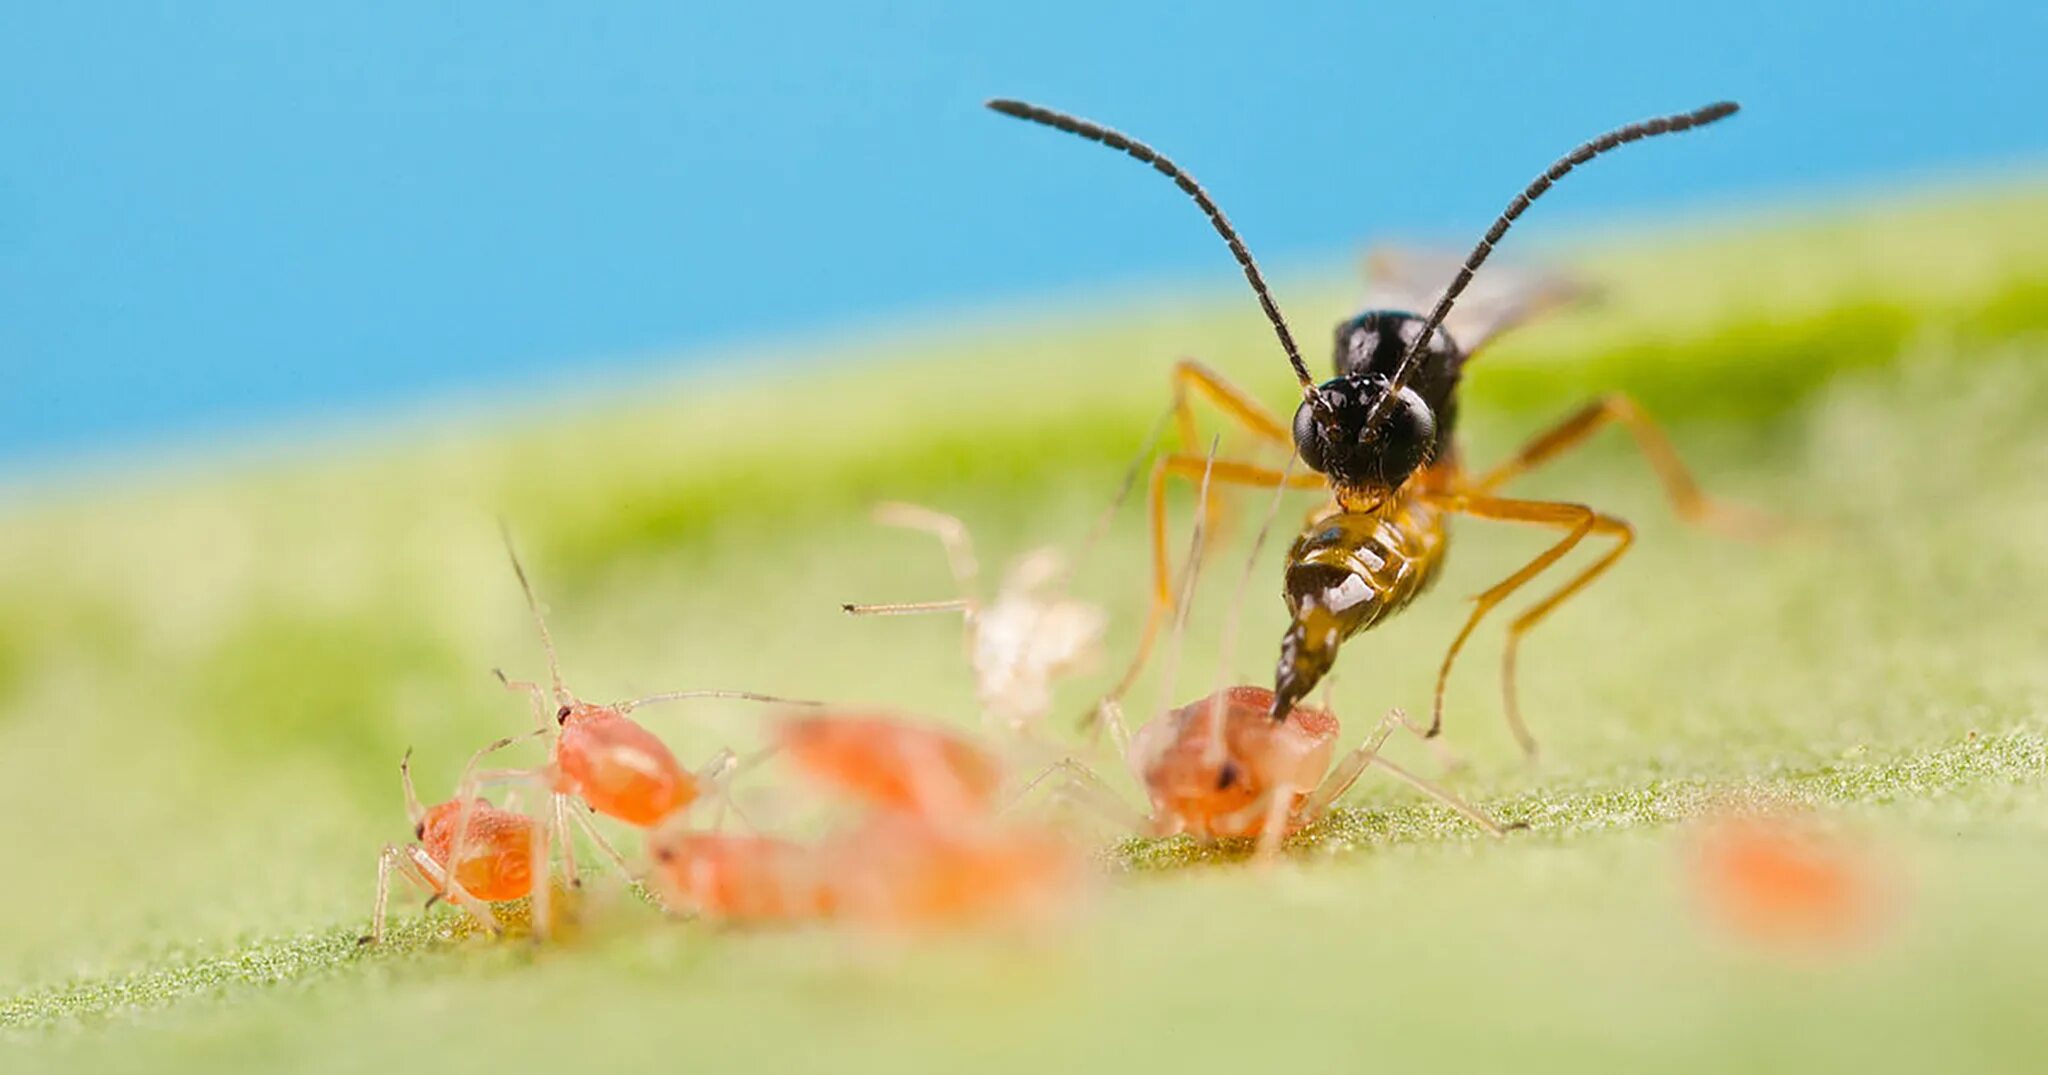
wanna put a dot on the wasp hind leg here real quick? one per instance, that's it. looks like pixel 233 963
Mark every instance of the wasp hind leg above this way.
pixel 1692 505
pixel 1578 521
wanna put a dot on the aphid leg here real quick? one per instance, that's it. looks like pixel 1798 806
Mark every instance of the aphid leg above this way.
pixel 540 896
pixel 439 881
pixel 1079 783
pixel 1445 796
pixel 392 857
pixel 1576 520
pixel 1273 829
pixel 469 783
pixel 717 775
pixel 542 902
pixel 560 809
pixel 1679 487
pixel 1190 467
pixel 596 837
pixel 1346 772
pixel 543 712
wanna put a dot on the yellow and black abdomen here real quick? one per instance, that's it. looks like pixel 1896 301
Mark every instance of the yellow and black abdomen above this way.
pixel 1345 573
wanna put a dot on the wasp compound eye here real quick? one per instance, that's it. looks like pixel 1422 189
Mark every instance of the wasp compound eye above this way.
pixel 1405 439
pixel 1336 435
pixel 1309 441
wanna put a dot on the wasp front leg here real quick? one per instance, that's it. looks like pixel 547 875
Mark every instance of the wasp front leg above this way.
pixel 1191 467
pixel 1191 379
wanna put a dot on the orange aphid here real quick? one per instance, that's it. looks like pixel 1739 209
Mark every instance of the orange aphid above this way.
pixel 1222 768
pixel 495 863
pixel 469 852
pixel 897 871
pixel 928 850
pixel 1212 790
pixel 888 764
pixel 602 756
pixel 738 878
pixel 1775 880
pixel 620 768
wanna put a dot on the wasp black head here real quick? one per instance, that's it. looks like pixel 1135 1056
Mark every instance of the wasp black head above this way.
pixel 1335 433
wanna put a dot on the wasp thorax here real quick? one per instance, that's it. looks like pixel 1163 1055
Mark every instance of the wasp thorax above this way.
pixel 1337 434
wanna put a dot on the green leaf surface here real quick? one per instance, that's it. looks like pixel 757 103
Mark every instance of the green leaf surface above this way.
pixel 208 670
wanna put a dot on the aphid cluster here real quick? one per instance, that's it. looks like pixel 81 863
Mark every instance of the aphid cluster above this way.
pixel 926 825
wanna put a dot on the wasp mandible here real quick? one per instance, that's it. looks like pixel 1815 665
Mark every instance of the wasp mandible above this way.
pixel 1378 437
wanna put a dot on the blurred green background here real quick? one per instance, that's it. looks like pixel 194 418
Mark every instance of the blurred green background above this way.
pixel 207 675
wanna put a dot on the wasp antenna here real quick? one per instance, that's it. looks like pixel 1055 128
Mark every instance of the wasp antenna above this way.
pixel 1620 136
pixel 540 621
pixel 1095 132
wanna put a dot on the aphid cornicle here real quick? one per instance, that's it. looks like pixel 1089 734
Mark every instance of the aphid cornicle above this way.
pixel 1378 437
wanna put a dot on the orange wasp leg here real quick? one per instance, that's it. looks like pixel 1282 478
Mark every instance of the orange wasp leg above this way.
pixel 1684 493
pixel 1191 467
pixel 1234 402
pixel 1191 378
pixel 1577 521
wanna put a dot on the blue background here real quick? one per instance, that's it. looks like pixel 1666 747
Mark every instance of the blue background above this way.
pixel 215 217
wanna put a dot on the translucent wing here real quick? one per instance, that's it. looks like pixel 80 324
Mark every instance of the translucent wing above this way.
pixel 1499 298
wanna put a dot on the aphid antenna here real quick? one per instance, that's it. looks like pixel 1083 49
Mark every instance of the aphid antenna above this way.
pixel 1225 668
pixel 1099 529
pixel 960 561
pixel 1197 540
pixel 1563 166
pixel 415 812
pixel 1143 153
pixel 540 620
pixel 682 696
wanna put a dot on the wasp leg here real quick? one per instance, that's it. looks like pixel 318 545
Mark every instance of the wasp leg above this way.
pixel 1684 493
pixel 1577 521
pixel 1191 467
pixel 1191 378
pixel 1234 402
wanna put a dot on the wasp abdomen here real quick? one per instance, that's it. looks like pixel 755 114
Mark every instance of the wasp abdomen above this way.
pixel 1346 573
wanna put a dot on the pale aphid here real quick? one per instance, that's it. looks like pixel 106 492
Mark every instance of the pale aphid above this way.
pixel 1018 645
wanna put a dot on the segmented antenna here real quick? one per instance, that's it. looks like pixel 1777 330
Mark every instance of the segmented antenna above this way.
pixel 1620 136
pixel 540 621
pixel 1117 140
